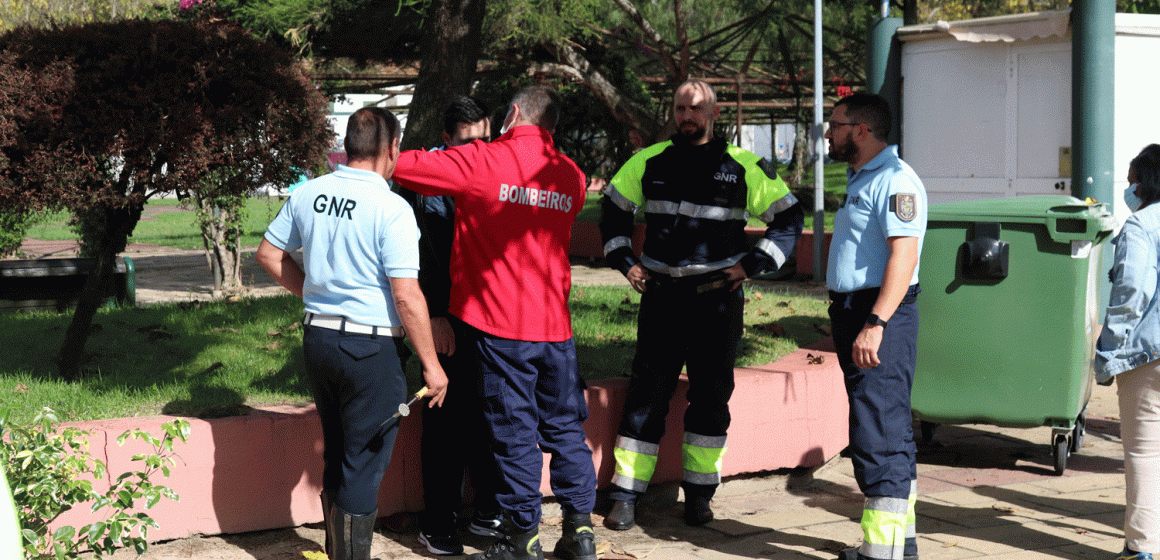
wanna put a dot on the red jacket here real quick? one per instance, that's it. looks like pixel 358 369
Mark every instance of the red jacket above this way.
pixel 515 201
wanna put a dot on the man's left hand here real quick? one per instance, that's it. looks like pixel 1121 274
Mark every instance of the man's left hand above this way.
pixel 735 275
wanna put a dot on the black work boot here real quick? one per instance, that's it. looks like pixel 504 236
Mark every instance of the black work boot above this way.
pixel 622 516
pixel 348 537
pixel 515 545
pixel 578 541
pixel 697 510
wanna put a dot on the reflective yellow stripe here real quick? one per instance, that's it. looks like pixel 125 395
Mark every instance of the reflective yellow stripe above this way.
pixel 702 459
pixel 634 465
pixel 884 529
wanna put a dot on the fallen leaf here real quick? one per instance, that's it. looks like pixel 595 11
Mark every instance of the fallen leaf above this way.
pixel 763 313
pixel 271 372
pixel 774 329
pixel 273 346
pixel 1003 508
pixel 273 333
pixel 783 304
pixel 757 295
pixel 314 555
pixel 294 326
pixel 599 337
pixel 227 329
pixel 819 359
pixel 20 388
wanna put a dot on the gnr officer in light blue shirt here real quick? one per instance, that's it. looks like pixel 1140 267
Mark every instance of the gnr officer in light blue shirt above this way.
pixel 359 283
pixel 873 280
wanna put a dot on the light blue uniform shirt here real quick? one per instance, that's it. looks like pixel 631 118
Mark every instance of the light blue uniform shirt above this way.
pixel 883 199
pixel 354 234
pixel 1131 335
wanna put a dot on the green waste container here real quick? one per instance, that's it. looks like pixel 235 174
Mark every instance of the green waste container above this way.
pixel 1009 315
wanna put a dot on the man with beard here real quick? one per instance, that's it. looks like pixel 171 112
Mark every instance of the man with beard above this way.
pixel 873 280
pixel 697 192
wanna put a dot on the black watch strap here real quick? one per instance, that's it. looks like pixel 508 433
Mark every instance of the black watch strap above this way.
pixel 875 320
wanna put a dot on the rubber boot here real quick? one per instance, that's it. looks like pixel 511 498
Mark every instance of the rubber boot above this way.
pixel 348 537
pixel 579 540
pixel 622 516
pixel 515 545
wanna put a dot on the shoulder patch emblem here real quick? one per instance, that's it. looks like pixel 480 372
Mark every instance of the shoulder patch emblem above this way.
pixel 904 206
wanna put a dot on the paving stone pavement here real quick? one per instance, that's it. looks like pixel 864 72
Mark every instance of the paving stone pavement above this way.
pixel 984 491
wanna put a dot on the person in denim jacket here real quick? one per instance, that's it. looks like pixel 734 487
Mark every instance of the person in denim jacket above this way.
pixel 1128 350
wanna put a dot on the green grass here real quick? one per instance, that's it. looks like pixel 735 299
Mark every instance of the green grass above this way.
pixel 215 359
pixel 170 223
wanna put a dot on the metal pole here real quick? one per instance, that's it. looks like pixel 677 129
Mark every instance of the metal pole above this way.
pixel 1093 56
pixel 819 152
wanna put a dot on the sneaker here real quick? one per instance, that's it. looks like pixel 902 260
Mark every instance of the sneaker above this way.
pixel 1128 554
pixel 486 525
pixel 522 546
pixel 440 544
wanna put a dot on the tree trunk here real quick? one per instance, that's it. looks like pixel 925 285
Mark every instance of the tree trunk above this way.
pixel 221 237
pixel 450 55
pixel 119 224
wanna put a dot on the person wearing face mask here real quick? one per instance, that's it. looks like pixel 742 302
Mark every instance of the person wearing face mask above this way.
pixel 515 202
pixel 697 192
pixel 1128 351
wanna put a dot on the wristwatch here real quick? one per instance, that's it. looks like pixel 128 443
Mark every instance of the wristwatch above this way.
pixel 875 320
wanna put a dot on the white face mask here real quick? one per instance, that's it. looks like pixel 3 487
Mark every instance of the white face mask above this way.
pixel 508 121
pixel 1134 203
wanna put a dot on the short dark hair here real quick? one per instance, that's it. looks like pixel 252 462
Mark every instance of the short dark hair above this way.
pixel 463 109
pixel 1147 165
pixel 368 131
pixel 870 109
pixel 539 105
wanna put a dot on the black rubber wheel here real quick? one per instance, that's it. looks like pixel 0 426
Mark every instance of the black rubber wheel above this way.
pixel 927 430
pixel 1077 434
pixel 1060 451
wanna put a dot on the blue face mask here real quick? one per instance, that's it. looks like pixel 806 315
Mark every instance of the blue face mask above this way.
pixel 1133 201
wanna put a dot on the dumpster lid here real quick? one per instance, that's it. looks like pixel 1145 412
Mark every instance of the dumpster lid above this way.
pixel 1067 218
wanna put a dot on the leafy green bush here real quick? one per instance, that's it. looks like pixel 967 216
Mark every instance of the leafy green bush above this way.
pixel 51 471
pixel 13 227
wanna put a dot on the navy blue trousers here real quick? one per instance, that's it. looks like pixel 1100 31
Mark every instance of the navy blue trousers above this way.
pixel 680 328
pixel 881 426
pixel 357 382
pixel 455 442
pixel 533 400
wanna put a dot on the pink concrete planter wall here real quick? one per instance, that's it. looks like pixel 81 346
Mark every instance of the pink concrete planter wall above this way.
pixel 263 471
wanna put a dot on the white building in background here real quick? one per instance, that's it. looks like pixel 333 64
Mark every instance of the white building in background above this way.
pixel 986 103
pixel 343 107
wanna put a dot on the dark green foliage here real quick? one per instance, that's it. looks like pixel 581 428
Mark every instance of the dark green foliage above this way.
pixel 127 110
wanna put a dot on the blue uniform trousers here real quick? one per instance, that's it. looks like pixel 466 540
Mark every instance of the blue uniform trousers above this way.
pixel 679 326
pixel 357 382
pixel 881 425
pixel 533 402
pixel 455 441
